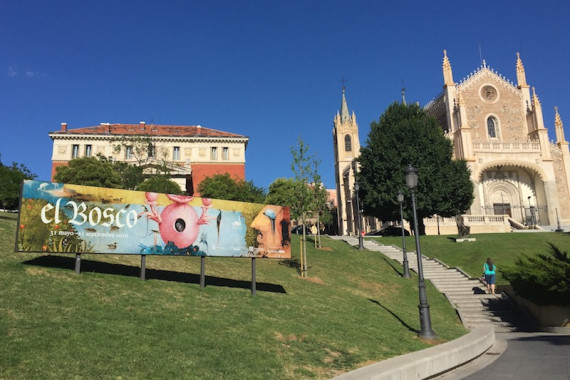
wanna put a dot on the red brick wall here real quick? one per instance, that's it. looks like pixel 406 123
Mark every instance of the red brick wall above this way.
pixel 55 165
pixel 201 171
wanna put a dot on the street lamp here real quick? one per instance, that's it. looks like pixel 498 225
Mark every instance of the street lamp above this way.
pixel 406 273
pixel 360 238
pixel 426 332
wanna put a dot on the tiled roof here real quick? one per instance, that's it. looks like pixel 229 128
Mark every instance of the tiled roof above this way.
pixel 150 129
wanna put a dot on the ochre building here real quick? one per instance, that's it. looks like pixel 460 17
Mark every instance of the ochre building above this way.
pixel 191 153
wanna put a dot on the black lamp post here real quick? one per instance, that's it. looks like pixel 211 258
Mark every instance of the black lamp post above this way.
pixel 406 273
pixel 425 320
pixel 360 238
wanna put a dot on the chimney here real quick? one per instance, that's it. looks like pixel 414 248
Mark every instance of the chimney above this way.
pixel 64 127
pixel 142 124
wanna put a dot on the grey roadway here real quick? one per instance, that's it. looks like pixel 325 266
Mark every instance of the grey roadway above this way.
pixel 520 356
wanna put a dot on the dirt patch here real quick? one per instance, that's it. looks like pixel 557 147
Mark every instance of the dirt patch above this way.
pixel 315 280
pixel 328 249
pixel 48 273
pixel 331 356
pixel 289 338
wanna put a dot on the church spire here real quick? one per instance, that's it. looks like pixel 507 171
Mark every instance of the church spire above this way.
pixel 521 76
pixel 447 74
pixel 558 126
pixel 344 115
pixel 535 101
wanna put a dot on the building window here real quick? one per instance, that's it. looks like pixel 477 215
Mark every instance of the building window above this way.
pixel 88 150
pixel 492 127
pixel 128 152
pixel 150 150
pixel 225 153
pixel 176 153
pixel 347 143
pixel 75 151
pixel 214 153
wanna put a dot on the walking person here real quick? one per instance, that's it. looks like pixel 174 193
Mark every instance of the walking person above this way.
pixel 490 275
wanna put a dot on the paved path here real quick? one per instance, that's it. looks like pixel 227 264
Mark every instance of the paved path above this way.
pixel 524 356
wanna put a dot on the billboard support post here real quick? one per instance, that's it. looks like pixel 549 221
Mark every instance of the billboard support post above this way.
pixel 202 272
pixel 143 267
pixel 77 263
pixel 253 276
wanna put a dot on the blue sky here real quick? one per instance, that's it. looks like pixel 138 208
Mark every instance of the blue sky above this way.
pixel 270 70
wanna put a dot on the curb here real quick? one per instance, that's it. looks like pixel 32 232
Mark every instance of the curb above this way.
pixel 429 362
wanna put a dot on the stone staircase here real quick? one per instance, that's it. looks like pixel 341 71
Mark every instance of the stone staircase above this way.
pixel 474 307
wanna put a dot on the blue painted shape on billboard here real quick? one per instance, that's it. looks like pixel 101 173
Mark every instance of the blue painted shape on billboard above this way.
pixel 64 218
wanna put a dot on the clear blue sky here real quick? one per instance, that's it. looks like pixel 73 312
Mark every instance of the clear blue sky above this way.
pixel 270 70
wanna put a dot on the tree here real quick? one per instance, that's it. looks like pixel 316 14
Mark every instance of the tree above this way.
pixel 10 179
pixel 223 186
pixel 303 201
pixel 406 135
pixel 319 200
pixel 160 183
pixel 89 171
pixel 141 148
pixel 283 192
pixel 544 279
pixel 131 175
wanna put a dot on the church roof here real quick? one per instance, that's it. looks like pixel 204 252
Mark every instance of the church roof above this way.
pixel 149 129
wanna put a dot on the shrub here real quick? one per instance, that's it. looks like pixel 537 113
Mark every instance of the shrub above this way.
pixel 543 279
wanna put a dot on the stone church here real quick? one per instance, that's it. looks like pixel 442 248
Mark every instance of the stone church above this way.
pixel 497 126
pixel 521 178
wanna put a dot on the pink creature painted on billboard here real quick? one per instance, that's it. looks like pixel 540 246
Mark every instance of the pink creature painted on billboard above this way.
pixel 178 223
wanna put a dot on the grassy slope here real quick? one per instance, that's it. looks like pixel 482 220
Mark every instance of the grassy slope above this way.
pixel 470 256
pixel 354 309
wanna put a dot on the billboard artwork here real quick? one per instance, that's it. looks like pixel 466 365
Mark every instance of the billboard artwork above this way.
pixel 64 218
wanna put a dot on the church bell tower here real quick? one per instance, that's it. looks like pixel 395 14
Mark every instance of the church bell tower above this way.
pixel 346 150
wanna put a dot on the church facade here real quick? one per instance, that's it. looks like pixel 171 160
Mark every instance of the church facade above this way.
pixel 191 153
pixel 497 126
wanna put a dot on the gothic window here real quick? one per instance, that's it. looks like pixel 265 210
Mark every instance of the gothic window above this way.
pixel 347 143
pixel 492 127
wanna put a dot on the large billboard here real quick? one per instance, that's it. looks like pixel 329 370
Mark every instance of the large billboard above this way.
pixel 64 218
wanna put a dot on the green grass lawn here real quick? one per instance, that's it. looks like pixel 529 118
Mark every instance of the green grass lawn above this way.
pixel 354 309
pixel 503 249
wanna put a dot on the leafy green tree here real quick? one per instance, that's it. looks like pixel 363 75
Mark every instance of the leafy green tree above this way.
pixel 543 279
pixel 131 175
pixel 223 186
pixel 89 171
pixel 10 179
pixel 283 192
pixel 406 135
pixel 160 183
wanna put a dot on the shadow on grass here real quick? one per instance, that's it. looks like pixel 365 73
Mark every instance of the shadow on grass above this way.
pixel 397 270
pixel 395 316
pixel 292 263
pixel 64 262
